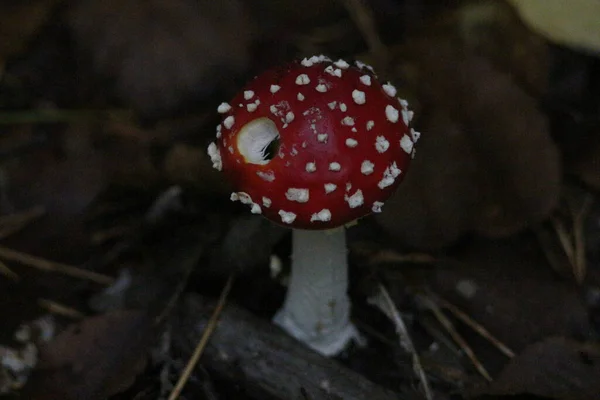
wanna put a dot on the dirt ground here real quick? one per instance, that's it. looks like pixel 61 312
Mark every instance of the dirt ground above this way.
pixel 121 255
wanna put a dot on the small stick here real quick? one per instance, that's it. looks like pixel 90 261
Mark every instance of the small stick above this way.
pixel 362 16
pixel 564 239
pixel 580 265
pixel 391 256
pixel 51 266
pixel 458 313
pixel 9 273
pixel 13 223
pixel 210 327
pixel 60 309
pixel 384 302
pixel 446 323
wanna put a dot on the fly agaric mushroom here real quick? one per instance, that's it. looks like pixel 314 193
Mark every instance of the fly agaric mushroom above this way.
pixel 315 145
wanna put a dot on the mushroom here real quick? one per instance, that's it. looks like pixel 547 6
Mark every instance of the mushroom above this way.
pixel 314 145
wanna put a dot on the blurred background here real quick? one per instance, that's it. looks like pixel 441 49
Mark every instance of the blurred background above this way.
pixel 109 202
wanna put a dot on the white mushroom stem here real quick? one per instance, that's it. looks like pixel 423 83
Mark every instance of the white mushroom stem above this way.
pixel 316 310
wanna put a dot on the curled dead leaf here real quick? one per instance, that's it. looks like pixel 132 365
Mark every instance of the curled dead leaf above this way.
pixel 160 53
pixel 489 164
pixel 555 368
pixel 94 359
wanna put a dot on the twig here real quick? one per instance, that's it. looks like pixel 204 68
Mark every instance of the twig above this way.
pixel 13 223
pixel 564 239
pixel 384 302
pixel 449 326
pixel 9 273
pixel 580 265
pixel 364 20
pixel 42 116
pixel 60 309
pixel 51 266
pixel 458 313
pixel 210 327
pixel 391 256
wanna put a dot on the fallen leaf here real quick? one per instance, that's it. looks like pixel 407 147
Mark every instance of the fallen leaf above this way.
pixel 508 287
pixel 555 368
pixel 486 162
pixel 19 22
pixel 94 359
pixel 576 26
pixel 160 53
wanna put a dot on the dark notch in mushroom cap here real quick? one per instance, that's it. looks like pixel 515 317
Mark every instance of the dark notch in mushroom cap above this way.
pixel 315 144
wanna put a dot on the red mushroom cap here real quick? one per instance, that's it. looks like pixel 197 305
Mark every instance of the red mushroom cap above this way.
pixel 315 144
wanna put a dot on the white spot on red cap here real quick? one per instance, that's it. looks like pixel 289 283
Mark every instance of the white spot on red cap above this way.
pixel 351 142
pixel 300 97
pixel 381 144
pixel 251 107
pixel 229 121
pixel 223 108
pixel 330 187
pixel 370 125
pixel 311 167
pixel 242 197
pixel 287 217
pixel 415 135
pixel 343 107
pixel 406 144
pixel 356 200
pixel 324 215
pixel 341 64
pixel 248 94
pixel 307 62
pixel 377 207
pixel 348 121
pixel 266 202
pixel 321 88
pixel 367 167
pixel 219 133
pixel 360 64
pixel 322 137
pixel 335 166
pixel 358 97
pixel 389 176
pixel 255 209
pixel 274 88
pixel 332 105
pixel 299 195
pixel 333 71
pixel 407 116
pixel 391 114
pixel 389 89
pixel 302 79
pixel 215 156
pixel 267 176
pixel 365 80
pixel 289 117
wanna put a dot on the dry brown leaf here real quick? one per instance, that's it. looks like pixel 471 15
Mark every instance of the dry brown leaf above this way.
pixel 433 205
pixel 19 22
pixel 518 162
pixel 493 29
pixel 486 161
pixel 508 288
pixel 159 52
pixel 190 165
pixel 555 368
pixel 92 360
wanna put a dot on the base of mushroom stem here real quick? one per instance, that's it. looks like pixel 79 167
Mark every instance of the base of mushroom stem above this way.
pixel 329 343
